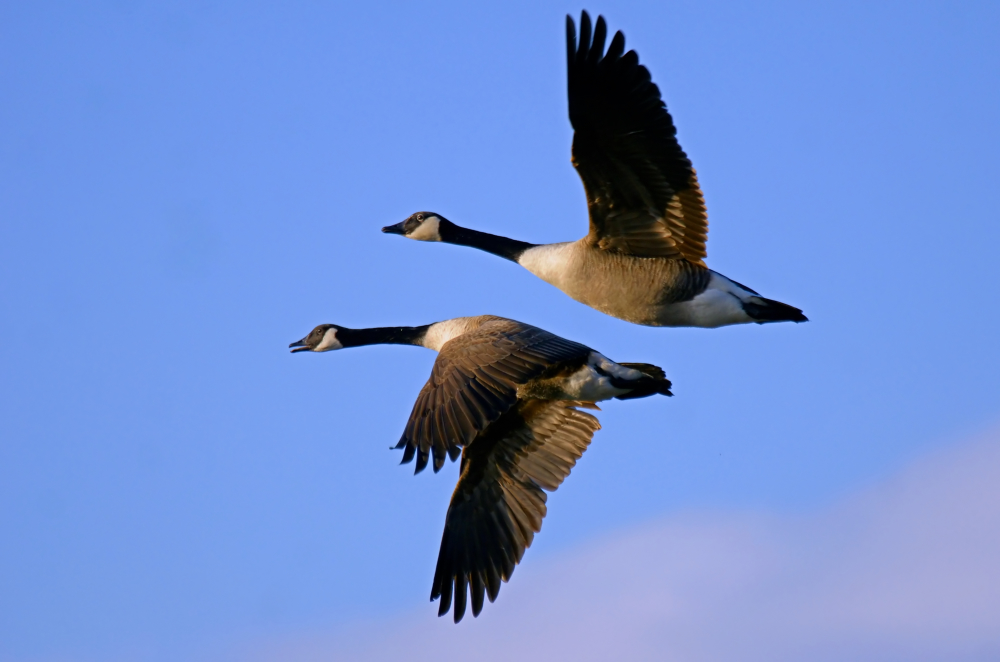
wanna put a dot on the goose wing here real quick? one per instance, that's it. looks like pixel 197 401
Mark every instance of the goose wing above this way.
pixel 642 191
pixel 499 502
pixel 474 381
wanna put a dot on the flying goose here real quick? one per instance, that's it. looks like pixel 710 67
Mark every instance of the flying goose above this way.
pixel 505 395
pixel 643 259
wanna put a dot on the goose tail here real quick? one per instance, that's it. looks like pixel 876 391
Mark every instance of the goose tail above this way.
pixel 653 382
pixel 768 310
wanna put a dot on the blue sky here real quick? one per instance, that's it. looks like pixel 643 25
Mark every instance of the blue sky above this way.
pixel 185 188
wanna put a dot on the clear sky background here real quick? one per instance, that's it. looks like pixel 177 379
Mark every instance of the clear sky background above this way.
pixel 185 188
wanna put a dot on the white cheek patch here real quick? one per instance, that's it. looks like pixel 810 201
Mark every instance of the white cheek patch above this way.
pixel 329 342
pixel 427 231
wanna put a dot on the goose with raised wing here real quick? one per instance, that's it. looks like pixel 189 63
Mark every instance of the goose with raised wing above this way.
pixel 643 260
pixel 507 397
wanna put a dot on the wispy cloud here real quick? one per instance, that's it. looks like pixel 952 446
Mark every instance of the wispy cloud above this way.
pixel 908 570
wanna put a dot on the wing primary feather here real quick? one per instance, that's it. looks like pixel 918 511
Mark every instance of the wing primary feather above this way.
pixel 422 456
pixel 570 40
pixel 616 48
pixel 600 34
pixel 478 589
pixel 584 35
pixel 446 591
pixel 505 544
pixel 461 593
pixel 489 545
pixel 492 583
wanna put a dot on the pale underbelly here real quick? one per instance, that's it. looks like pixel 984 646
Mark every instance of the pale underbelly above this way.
pixel 711 308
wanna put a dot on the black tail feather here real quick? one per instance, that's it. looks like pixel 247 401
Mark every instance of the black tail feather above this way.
pixel 654 382
pixel 769 310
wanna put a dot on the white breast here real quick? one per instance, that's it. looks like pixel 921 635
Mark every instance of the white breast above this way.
pixel 440 333
pixel 550 262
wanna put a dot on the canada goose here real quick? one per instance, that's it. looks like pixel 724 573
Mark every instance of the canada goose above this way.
pixel 643 259
pixel 504 395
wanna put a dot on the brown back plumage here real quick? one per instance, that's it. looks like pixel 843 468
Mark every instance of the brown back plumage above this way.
pixel 474 381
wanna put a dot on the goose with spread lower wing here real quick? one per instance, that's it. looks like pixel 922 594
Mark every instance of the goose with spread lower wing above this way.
pixel 643 259
pixel 506 396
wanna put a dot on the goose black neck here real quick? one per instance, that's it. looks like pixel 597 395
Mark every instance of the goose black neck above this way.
pixel 385 335
pixel 509 249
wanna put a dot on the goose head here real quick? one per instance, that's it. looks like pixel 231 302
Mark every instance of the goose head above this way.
pixel 422 226
pixel 321 339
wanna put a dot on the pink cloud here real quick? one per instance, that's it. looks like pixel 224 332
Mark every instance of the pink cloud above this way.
pixel 907 570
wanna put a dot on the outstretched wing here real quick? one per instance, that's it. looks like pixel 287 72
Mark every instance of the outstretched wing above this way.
pixel 474 381
pixel 498 504
pixel 642 191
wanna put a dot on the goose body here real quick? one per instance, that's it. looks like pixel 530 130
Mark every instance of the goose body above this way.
pixel 643 259
pixel 648 291
pixel 506 396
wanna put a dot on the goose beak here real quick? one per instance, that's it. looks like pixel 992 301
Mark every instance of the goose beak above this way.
pixel 394 229
pixel 300 346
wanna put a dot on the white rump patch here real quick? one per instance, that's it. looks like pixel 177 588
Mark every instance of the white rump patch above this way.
pixel 590 386
pixel 618 371
pixel 329 342
pixel 428 230
pixel 720 304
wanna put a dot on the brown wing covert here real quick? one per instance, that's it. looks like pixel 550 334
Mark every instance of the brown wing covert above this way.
pixel 474 382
